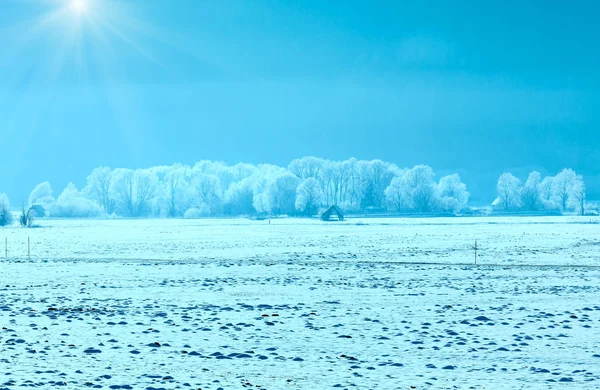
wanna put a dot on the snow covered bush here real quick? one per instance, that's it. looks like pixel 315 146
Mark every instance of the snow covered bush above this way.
pixel 5 214
pixel 27 217
pixel 197 212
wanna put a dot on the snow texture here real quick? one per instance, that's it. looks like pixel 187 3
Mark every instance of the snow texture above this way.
pixel 367 304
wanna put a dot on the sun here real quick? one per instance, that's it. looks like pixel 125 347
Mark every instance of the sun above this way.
pixel 79 6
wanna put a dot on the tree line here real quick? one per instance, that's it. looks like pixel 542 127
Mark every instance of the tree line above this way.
pixel 561 193
pixel 304 187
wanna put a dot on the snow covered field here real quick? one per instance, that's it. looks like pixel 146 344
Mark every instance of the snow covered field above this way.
pixel 363 304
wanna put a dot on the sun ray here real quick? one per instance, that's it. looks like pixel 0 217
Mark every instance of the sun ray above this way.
pixel 73 38
pixel 116 31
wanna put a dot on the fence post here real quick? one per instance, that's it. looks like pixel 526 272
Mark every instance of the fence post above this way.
pixel 28 248
pixel 475 251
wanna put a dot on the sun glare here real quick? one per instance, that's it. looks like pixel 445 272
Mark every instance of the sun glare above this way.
pixel 85 36
pixel 79 6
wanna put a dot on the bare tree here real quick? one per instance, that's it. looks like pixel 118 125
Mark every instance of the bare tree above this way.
pixel 27 217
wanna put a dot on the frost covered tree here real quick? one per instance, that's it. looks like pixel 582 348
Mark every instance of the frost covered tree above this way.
pixel 261 181
pixel 382 175
pixel 546 189
pixel 563 186
pixel 530 193
pixel 174 186
pixel 416 190
pixel 134 191
pixel 422 187
pixel 206 192
pixel 509 190
pixel 307 167
pixel 241 171
pixel 398 195
pixel 309 196
pixel 453 194
pixel 73 204
pixel 577 196
pixel 354 192
pixel 329 179
pixel 99 188
pixel 375 177
pixel 280 196
pixel 239 197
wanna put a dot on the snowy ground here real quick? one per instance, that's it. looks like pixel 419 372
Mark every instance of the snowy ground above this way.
pixel 364 304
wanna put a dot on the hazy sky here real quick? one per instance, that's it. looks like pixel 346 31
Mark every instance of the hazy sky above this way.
pixel 478 87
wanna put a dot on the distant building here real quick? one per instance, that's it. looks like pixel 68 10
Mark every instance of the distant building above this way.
pixel 332 211
pixel 38 210
pixel 497 205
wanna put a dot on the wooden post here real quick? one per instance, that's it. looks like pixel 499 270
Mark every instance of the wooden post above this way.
pixel 28 248
pixel 475 251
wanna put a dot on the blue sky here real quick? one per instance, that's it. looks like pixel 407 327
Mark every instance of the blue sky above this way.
pixel 469 86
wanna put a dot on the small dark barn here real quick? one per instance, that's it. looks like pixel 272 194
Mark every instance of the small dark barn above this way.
pixel 38 210
pixel 332 211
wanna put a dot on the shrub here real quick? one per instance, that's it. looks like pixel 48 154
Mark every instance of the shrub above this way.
pixel 197 212
pixel 27 217
pixel 6 217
